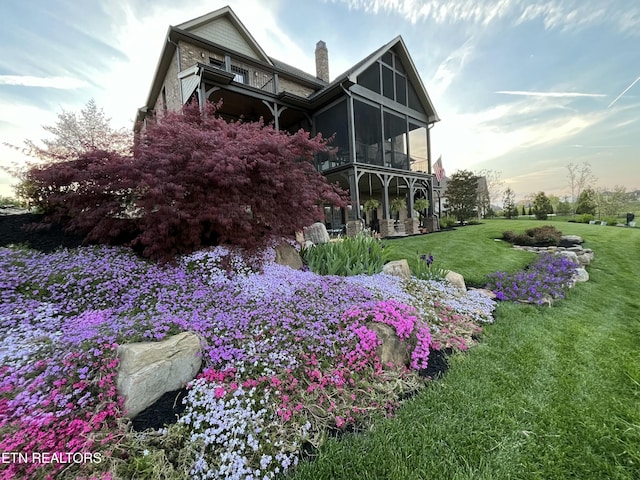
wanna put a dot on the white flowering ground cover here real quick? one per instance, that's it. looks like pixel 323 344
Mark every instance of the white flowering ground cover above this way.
pixel 287 359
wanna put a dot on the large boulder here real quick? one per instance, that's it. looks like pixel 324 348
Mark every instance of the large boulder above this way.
pixel 570 240
pixel 399 268
pixel 581 275
pixel 316 233
pixel 570 256
pixel 585 257
pixel 147 370
pixel 391 349
pixel 288 256
pixel 456 280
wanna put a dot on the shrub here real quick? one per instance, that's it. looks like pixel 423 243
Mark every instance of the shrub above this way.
pixel 509 235
pixel 611 220
pixel 539 236
pixel 357 255
pixel 545 236
pixel 523 239
pixel 447 222
pixel 584 218
pixel 194 180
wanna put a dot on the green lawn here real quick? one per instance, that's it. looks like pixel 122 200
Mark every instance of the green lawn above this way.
pixel 550 393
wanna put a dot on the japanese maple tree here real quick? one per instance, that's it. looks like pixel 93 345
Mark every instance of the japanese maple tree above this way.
pixel 194 180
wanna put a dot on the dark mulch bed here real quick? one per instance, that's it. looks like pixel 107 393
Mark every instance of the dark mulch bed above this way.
pixel 437 365
pixel 13 232
pixel 164 412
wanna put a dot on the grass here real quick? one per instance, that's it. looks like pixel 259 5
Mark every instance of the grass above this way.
pixel 550 393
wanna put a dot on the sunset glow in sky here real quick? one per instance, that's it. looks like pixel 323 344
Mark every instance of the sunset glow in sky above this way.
pixel 523 87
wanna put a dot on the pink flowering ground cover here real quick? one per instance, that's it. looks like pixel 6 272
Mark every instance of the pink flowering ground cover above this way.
pixel 288 360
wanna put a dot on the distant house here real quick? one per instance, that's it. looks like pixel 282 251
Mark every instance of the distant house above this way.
pixel 379 110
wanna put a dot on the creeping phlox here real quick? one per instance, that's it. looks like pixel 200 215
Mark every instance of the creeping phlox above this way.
pixel 548 277
pixel 287 357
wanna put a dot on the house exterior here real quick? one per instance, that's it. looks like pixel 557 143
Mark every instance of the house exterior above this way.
pixel 378 111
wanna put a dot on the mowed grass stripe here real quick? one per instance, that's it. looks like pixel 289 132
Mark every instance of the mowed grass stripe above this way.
pixel 550 393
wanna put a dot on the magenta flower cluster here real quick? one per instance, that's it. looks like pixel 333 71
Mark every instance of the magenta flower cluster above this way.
pixel 403 318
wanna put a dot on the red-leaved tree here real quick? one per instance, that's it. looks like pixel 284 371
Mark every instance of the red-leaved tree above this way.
pixel 194 180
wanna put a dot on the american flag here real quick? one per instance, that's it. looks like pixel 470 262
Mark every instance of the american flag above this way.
pixel 438 170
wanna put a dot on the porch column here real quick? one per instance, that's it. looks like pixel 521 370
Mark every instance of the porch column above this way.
pixel 275 111
pixel 387 224
pixel 202 98
pixel 355 195
pixel 411 224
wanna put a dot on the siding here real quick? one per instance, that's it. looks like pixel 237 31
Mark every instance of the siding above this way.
pixel 292 87
pixel 172 88
pixel 223 32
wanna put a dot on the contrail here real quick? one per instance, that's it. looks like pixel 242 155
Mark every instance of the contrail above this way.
pixel 625 91
pixel 549 94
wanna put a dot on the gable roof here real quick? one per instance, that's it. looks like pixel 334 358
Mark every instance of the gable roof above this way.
pixel 196 31
pixel 400 48
pixel 199 26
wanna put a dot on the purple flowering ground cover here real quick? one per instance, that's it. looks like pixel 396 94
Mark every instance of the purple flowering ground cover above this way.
pixel 545 279
pixel 287 358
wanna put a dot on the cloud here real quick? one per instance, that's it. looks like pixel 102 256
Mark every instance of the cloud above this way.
pixel 451 12
pixel 577 145
pixel 450 68
pixel 555 14
pixel 466 139
pixel 550 94
pixel 623 92
pixel 141 36
pixel 64 83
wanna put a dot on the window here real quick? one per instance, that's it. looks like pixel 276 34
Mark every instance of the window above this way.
pixel 401 89
pixel 370 78
pixel 368 129
pixel 329 123
pixel 241 74
pixel 387 83
pixel 387 76
pixel 414 101
pixel 418 148
pixel 395 135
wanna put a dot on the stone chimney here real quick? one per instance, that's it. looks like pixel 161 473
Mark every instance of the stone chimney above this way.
pixel 322 61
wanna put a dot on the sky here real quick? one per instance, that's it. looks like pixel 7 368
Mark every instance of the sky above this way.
pixel 522 87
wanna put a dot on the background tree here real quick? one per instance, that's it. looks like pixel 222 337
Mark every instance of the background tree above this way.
pixel 554 200
pixel 587 202
pixel 523 211
pixel 193 180
pixel 564 208
pixel 495 186
pixel 541 206
pixel 579 177
pixel 74 134
pixel 77 133
pixel 483 201
pixel 613 202
pixel 461 194
pixel 509 204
